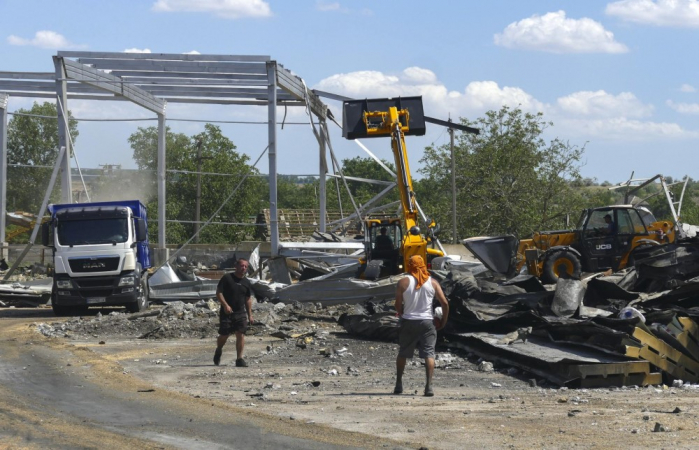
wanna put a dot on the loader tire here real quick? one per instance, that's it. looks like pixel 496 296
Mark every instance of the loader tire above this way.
pixel 563 263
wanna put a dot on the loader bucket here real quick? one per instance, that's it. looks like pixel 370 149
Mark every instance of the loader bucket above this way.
pixel 353 126
pixel 498 254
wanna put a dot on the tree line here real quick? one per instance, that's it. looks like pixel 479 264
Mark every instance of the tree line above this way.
pixel 509 179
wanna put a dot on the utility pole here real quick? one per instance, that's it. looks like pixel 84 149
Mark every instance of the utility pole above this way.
pixel 453 184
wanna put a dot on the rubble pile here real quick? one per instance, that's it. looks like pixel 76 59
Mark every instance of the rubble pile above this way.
pixel 199 320
pixel 648 312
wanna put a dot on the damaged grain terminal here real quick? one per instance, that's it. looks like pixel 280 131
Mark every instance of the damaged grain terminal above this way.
pixel 608 302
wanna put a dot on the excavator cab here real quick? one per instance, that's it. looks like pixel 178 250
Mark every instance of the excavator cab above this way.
pixel 383 241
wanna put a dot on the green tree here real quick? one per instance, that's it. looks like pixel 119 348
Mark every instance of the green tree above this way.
pixel 362 192
pixel 295 193
pixel 508 178
pixel 32 142
pixel 224 167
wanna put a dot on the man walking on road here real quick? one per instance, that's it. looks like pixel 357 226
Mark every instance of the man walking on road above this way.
pixel 234 292
pixel 414 295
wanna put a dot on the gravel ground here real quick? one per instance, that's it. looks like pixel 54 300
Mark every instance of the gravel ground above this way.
pixel 304 367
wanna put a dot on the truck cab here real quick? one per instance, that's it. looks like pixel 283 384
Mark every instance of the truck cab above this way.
pixel 101 255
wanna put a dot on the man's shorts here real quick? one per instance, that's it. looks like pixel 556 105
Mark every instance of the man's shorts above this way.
pixel 417 333
pixel 231 323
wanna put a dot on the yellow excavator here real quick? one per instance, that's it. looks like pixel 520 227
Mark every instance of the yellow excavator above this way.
pixel 387 247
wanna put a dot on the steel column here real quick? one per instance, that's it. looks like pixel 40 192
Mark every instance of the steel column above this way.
pixel 63 129
pixel 3 164
pixel 453 185
pixel 161 181
pixel 322 178
pixel 272 138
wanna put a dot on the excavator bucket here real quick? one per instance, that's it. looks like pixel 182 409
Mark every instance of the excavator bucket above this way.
pixel 353 126
pixel 498 254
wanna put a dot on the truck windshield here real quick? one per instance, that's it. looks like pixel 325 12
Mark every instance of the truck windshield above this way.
pixel 92 231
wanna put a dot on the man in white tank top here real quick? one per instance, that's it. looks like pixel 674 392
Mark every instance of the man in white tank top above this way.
pixel 414 296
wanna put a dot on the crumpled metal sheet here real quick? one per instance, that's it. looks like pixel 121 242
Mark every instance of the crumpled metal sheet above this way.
pixel 382 326
pixel 32 291
pixel 334 292
pixel 555 362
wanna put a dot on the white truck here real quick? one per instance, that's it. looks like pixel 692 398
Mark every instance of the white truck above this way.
pixel 101 255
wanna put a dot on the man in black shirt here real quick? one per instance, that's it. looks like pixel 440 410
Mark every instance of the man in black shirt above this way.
pixel 234 292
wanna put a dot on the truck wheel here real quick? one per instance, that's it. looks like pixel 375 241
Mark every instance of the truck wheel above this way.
pixel 561 263
pixel 142 303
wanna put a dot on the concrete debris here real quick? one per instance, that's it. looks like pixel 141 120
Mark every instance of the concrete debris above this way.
pixel 605 330
pixel 485 366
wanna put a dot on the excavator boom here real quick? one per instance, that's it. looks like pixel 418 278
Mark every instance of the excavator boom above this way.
pixel 395 118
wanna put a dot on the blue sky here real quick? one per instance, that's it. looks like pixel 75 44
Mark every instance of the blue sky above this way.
pixel 619 77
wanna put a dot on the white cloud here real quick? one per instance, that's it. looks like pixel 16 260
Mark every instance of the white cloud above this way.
pixel 684 108
pixel 227 9
pixel 323 6
pixel 555 33
pixel 602 104
pixel 621 129
pixel 137 50
pixel 687 88
pixel 193 52
pixel 585 115
pixel 44 39
pixel 667 13
pixel 477 97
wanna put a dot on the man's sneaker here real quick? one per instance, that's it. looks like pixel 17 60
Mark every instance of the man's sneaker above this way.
pixel 398 389
pixel 217 356
pixel 428 391
pixel 240 362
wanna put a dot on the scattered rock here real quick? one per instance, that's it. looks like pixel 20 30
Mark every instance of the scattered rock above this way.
pixel 659 428
pixel 486 366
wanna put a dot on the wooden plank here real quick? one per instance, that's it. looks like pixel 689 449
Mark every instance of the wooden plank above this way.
pixel 619 380
pixel 664 356
pixel 613 374
pixel 689 337
pixel 180 66
pixel 165 56
pixel 691 327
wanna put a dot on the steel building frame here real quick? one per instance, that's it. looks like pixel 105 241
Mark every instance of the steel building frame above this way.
pixel 151 80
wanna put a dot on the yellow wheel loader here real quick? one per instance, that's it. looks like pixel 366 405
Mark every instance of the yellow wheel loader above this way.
pixel 604 238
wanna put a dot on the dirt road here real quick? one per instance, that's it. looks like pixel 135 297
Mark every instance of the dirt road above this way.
pixel 335 391
pixel 56 395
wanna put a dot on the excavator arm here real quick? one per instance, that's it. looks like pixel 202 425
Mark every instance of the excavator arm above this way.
pixel 392 117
